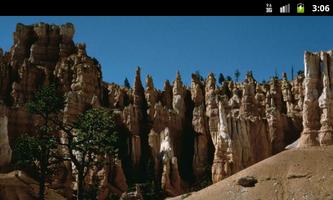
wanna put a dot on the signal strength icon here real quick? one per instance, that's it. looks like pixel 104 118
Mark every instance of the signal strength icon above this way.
pixel 285 9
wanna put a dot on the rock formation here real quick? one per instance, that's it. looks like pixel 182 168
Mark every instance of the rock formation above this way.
pixel 170 180
pixel 43 53
pixel 167 95
pixel 178 103
pixel 199 122
pixel 211 108
pixel 5 150
pixel 184 133
pixel 151 96
pixel 317 117
pixel 223 157
pixel 137 195
pixel 132 116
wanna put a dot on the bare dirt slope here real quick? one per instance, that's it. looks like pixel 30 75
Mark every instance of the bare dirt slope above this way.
pixel 18 186
pixel 292 174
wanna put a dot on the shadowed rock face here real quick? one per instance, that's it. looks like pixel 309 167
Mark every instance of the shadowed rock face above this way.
pixel 5 150
pixel 18 185
pixel 181 135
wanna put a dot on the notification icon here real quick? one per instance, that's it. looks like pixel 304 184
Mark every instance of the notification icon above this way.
pixel 269 8
pixel 300 8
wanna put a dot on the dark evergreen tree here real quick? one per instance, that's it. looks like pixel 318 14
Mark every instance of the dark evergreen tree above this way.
pixel 126 83
pixel 199 75
pixel 96 137
pixel 237 75
pixel 221 78
pixel 292 72
pixel 39 151
pixel 300 72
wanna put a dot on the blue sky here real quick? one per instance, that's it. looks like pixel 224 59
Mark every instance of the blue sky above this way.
pixel 163 45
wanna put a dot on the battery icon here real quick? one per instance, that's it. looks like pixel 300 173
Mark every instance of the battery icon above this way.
pixel 300 8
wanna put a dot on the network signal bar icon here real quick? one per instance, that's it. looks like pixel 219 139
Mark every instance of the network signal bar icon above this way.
pixel 285 9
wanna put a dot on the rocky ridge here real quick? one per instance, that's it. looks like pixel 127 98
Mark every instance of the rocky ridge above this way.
pixel 291 174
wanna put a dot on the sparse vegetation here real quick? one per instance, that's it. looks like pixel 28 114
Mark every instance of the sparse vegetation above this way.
pixel 201 78
pixel 96 137
pixel 221 78
pixel 93 135
pixel 126 83
pixel 237 75
pixel 38 152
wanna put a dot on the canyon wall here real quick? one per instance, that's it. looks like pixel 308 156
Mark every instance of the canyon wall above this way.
pixel 180 135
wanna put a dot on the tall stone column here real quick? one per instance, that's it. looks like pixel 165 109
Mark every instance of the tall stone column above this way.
pixel 326 100
pixel 167 95
pixel 132 116
pixel 274 117
pixel 199 123
pixel 212 110
pixel 248 106
pixel 151 96
pixel 311 114
pixel 178 91
pixel 223 157
pixel 5 150
pixel 286 93
pixel 170 180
